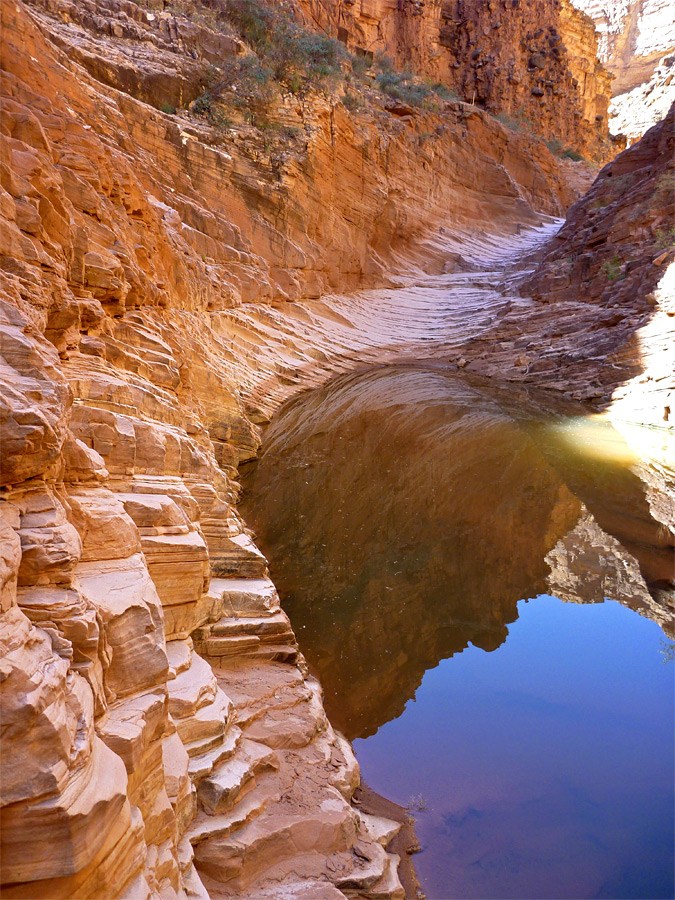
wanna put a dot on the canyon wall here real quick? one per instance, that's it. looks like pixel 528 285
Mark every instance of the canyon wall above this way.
pixel 637 44
pixel 534 63
pixel 159 726
pixel 617 250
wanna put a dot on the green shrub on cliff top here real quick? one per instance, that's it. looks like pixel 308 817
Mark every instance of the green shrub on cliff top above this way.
pixel 284 57
pixel 404 86
pixel 296 56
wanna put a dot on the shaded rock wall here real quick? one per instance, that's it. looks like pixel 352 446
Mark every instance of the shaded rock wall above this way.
pixel 617 251
pixel 536 63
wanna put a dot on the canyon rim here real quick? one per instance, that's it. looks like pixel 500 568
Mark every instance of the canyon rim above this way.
pixel 207 208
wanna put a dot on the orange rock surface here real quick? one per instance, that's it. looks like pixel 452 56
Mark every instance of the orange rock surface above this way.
pixel 164 283
pixel 535 63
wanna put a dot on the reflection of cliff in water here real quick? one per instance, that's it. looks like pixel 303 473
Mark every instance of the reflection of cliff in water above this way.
pixel 402 519
pixel 404 515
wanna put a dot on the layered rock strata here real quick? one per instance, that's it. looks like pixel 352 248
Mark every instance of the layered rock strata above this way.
pixel 617 251
pixel 122 430
pixel 535 63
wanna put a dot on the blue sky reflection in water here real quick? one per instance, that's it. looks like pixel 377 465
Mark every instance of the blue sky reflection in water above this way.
pixel 546 766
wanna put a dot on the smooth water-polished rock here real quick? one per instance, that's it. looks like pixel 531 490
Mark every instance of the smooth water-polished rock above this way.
pixel 127 602
pixel 61 785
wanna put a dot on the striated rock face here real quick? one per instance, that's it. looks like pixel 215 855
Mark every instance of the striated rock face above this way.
pixel 534 63
pixel 153 698
pixel 617 250
pixel 227 220
pixel 637 44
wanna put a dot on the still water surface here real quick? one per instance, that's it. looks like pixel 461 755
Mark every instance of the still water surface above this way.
pixel 481 589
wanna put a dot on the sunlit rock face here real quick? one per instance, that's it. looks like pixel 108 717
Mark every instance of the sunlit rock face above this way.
pixel 636 43
pixel 633 36
pixel 405 515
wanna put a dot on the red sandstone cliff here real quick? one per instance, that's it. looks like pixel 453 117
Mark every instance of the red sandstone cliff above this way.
pixel 533 62
pixel 128 234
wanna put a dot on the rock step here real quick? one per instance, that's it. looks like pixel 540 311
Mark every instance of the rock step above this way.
pixel 380 829
pixel 277 623
pixel 258 684
pixel 224 786
pixel 246 596
pixel 284 701
pixel 230 646
pixel 192 689
pixel 179 654
pixel 249 708
pixel 206 723
pixel 369 866
pixel 267 790
pixel 203 764
pixel 279 835
pixel 237 556
pixel 292 888
pixel 285 653
pixel 219 647
pixel 288 727
pixel 387 887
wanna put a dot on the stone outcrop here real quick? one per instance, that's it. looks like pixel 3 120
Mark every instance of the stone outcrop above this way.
pixel 535 63
pixel 123 236
pixel 617 249
pixel 637 44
